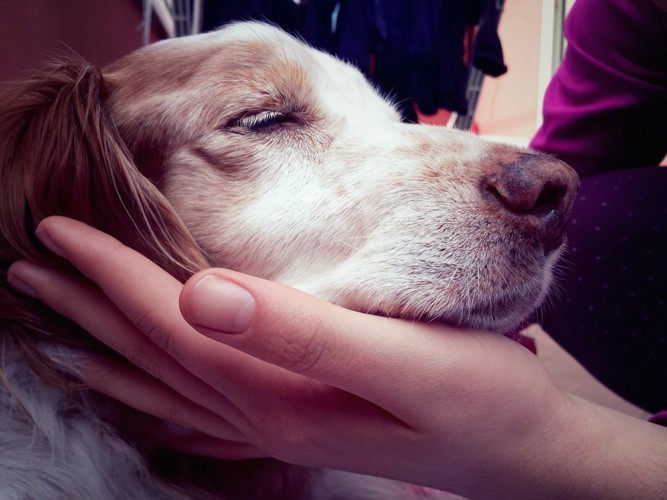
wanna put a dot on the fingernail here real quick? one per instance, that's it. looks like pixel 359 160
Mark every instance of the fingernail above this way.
pixel 44 237
pixel 17 282
pixel 218 304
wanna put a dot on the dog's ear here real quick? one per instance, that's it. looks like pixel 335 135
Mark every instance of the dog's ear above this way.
pixel 60 153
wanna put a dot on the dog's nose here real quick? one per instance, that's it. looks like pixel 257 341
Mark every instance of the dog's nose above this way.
pixel 538 190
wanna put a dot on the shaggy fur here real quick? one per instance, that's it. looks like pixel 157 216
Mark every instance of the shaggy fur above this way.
pixel 246 149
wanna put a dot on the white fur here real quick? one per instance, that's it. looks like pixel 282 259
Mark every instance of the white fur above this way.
pixel 54 447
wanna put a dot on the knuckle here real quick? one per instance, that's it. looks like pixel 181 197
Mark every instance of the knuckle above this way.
pixel 112 253
pixel 177 419
pixel 149 322
pixel 280 429
pixel 144 359
pixel 287 443
pixel 302 351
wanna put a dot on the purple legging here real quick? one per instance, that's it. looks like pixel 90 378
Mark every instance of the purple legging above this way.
pixel 611 309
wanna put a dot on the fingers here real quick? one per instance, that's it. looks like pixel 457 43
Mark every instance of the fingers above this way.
pixel 148 297
pixel 299 346
pixel 206 446
pixel 280 410
pixel 87 306
pixel 295 331
pixel 302 379
pixel 86 248
pixel 142 392
pixel 146 307
pixel 197 430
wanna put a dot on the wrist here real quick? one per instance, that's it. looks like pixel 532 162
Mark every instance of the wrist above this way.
pixel 572 448
pixel 589 451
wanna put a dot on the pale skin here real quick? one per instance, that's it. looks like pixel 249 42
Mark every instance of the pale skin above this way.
pixel 254 368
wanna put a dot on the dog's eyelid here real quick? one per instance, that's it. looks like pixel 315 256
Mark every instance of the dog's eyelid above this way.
pixel 262 120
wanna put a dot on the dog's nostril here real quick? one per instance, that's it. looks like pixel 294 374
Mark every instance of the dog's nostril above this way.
pixel 530 199
pixel 549 200
pixel 532 184
pixel 537 190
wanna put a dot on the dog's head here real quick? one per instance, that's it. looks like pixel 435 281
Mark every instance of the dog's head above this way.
pixel 244 148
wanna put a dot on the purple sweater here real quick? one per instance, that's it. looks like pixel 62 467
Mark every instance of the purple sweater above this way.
pixel 606 107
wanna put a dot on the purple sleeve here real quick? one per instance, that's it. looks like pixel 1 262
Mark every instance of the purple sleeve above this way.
pixel 659 418
pixel 606 107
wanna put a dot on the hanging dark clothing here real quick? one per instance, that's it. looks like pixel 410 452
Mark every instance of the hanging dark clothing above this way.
pixel 283 13
pixel 415 50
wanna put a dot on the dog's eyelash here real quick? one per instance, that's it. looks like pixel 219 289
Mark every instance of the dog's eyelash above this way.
pixel 262 120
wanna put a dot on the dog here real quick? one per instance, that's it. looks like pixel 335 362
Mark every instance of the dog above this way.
pixel 247 149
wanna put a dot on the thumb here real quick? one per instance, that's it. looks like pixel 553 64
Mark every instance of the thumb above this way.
pixel 308 336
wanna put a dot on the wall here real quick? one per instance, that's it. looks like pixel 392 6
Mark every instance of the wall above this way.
pixel 99 30
pixel 508 105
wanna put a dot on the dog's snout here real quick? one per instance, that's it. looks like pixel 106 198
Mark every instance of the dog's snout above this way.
pixel 533 184
pixel 537 190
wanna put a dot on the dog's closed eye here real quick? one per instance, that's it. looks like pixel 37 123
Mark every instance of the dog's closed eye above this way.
pixel 263 121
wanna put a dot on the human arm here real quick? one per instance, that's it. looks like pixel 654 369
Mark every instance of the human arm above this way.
pixel 605 107
pixel 314 384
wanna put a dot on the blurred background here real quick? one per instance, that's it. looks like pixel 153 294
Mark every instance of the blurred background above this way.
pixel 491 59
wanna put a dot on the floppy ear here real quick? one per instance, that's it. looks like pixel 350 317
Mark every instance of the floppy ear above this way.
pixel 61 154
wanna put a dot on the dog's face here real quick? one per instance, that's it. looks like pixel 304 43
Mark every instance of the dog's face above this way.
pixel 283 162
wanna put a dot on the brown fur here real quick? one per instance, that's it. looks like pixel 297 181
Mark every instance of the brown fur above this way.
pixel 60 154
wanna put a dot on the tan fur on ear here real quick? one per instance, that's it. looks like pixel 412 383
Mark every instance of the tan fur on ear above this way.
pixel 60 153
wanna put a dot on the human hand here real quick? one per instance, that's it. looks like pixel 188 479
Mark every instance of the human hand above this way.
pixel 256 368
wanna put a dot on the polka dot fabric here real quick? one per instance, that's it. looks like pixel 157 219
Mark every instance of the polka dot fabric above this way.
pixel 611 310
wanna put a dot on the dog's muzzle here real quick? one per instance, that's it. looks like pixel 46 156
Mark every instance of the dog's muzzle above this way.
pixel 534 191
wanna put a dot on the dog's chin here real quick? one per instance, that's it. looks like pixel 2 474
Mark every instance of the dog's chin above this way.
pixel 504 325
pixel 507 324
pixel 502 315
pixel 504 312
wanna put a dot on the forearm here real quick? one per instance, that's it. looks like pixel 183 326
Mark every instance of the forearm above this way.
pixel 586 452
pixel 566 448
pixel 626 457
